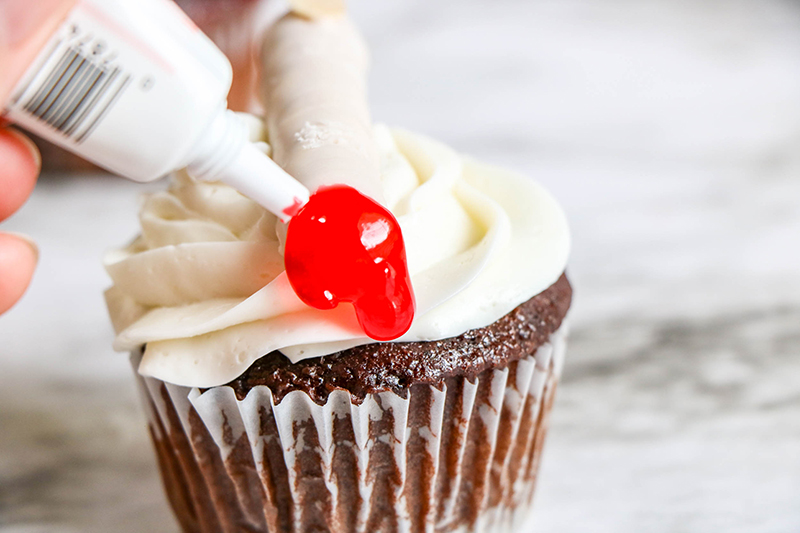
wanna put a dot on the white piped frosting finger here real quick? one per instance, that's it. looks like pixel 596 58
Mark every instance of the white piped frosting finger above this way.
pixel 314 90
pixel 318 8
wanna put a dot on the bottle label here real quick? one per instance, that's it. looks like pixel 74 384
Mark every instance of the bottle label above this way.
pixel 78 85
pixel 124 84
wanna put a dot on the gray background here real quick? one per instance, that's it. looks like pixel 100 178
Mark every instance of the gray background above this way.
pixel 669 130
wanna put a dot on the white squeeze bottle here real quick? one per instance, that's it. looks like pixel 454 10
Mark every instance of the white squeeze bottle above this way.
pixel 135 87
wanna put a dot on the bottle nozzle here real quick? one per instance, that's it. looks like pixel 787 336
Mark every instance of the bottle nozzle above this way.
pixel 226 154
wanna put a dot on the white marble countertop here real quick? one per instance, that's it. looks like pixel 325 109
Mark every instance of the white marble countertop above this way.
pixel 669 129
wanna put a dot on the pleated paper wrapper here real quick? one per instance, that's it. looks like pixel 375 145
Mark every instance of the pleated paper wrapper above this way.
pixel 461 458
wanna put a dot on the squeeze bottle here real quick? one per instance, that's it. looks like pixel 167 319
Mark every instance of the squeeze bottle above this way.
pixel 135 87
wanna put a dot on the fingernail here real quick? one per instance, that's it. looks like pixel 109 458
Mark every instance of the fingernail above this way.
pixel 27 240
pixel 32 148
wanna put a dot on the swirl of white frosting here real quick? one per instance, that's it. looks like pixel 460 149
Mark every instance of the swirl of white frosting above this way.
pixel 203 288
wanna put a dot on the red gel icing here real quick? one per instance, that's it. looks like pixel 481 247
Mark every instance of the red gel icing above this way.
pixel 293 209
pixel 344 247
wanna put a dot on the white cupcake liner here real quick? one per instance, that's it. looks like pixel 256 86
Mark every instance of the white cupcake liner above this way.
pixel 461 458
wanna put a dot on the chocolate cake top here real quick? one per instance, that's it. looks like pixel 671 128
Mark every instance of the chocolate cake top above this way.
pixel 395 367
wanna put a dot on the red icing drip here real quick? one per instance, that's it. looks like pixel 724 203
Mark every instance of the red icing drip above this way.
pixel 293 209
pixel 344 247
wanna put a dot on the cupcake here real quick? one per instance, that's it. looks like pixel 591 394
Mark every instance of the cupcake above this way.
pixel 270 416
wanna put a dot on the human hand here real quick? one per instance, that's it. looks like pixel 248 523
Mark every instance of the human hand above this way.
pixel 19 168
pixel 24 27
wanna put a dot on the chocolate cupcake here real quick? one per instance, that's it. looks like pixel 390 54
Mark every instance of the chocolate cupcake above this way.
pixel 422 436
pixel 271 416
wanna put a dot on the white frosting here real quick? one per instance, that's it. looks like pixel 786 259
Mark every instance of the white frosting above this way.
pixel 204 289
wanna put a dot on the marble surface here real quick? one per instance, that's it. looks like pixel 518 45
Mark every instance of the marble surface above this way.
pixel 669 129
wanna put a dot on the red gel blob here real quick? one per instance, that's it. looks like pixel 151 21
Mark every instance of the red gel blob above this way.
pixel 344 247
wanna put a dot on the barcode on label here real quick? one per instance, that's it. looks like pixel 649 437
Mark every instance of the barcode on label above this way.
pixel 77 93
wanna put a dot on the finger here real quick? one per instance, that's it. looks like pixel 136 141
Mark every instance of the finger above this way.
pixel 19 167
pixel 25 18
pixel 18 258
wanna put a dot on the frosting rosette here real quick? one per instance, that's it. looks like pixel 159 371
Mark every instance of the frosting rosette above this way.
pixel 203 289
